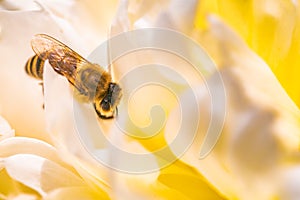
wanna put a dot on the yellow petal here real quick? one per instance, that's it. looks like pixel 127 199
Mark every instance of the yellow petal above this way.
pixel 10 188
pixel 142 127
pixel 189 186
pixel 138 124
pixel 76 193
pixel 261 129
pixel 270 28
pixel 187 181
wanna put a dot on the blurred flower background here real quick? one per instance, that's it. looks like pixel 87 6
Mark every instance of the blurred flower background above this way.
pixel 255 48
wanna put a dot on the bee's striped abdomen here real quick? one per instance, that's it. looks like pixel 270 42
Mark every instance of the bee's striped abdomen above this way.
pixel 35 66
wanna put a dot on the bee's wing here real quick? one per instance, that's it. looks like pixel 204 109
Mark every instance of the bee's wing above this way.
pixel 63 59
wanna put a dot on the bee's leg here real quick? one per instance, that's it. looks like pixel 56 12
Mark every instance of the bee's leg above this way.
pixel 116 111
pixel 41 84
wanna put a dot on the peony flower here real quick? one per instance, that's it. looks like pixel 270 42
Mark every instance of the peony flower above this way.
pixel 191 124
pixel 271 29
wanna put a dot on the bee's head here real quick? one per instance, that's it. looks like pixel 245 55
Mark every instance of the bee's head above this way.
pixel 106 108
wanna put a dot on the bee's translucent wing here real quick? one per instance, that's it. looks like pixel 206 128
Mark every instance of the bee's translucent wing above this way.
pixel 63 59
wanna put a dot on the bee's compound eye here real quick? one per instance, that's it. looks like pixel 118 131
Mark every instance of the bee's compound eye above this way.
pixel 105 105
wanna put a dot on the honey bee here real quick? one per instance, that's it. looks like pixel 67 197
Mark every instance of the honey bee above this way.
pixel 90 80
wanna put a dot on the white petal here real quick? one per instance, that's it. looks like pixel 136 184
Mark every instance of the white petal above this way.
pixel 168 14
pixel 21 96
pixel 289 183
pixel 96 16
pixel 21 103
pixel 145 14
pixel 5 129
pixel 67 125
pixel 39 173
pixel 121 21
pixel 22 5
pixel 23 197
pixel 19 145
pixel 179 16
pixel 76 134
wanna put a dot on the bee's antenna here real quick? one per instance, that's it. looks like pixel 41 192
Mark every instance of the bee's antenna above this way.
pixel 109 67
